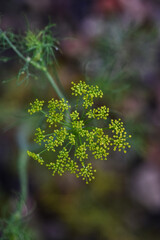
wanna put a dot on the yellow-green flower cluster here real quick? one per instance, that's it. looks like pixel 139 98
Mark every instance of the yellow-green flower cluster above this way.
pixel 63 163
pixel 88 92
pixel 56 111
pixel 56 140
pixel 72 139
pixel 81 152
pixel 76 137
pixel 60 164
pixel 119 138
pixel 87 173
pixel 39 136
pixel 79 88
pixel 98 143
pixel 36 106
pixel 78 125
pixel 74 115
pixel 99 113
pixel 36 157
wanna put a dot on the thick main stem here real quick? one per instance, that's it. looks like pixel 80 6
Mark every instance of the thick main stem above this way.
pixel 54 85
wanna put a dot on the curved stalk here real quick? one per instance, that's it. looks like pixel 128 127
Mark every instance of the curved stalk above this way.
pixel 22 138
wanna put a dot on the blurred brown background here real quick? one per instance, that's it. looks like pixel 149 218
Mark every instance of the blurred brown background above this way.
pixel 115 44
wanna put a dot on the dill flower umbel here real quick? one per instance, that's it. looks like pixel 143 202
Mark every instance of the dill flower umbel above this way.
pixel 71 135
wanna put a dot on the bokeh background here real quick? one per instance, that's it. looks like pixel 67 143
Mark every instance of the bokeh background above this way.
pixel 116 45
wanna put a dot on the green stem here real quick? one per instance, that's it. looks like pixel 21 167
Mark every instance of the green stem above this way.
pixel 13 47
pixel 23 159
pixel 66 124
pixel 43 112
pixel 50 134
pixel 88 120
pixel 54 85
pixel 70 148
pixel 22 137
pixel 43 151
pixel 80 140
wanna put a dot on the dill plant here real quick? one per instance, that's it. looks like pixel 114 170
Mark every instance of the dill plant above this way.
pixel 70 133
